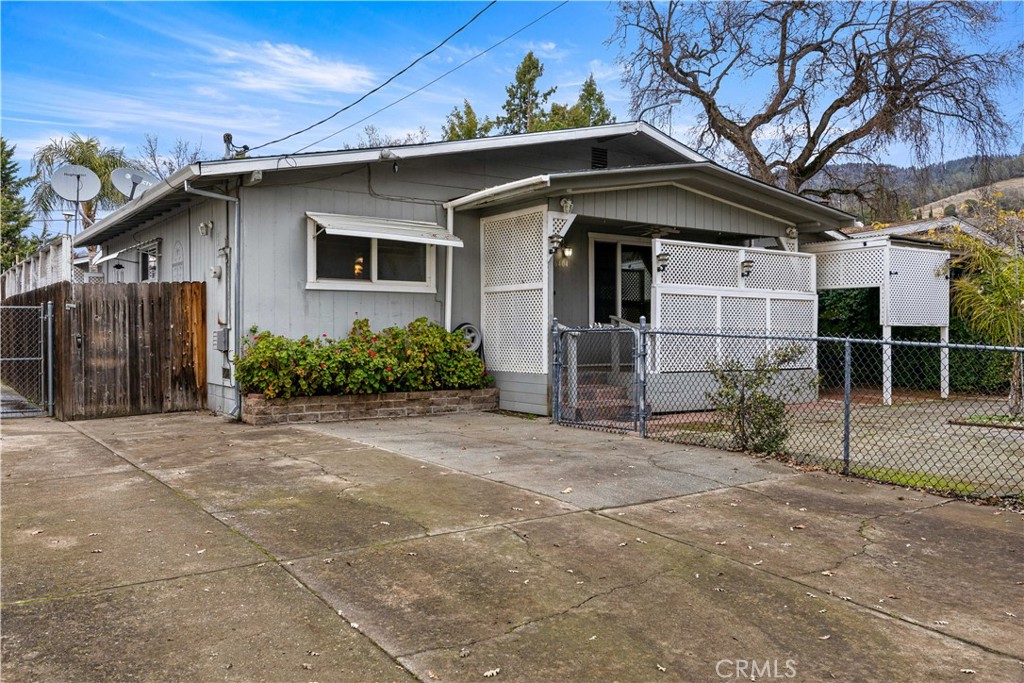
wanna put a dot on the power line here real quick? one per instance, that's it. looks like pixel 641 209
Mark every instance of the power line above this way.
pixel 382 85
pixel 444 75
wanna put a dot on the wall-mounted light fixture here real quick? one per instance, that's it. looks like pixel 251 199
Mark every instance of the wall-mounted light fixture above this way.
pixel 746 265
pixel 662 259
pixel 555 242
pixel 567 252
pixel 205 228
pixel 566 204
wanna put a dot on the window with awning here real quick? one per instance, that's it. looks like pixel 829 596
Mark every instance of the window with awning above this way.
pixel 361 252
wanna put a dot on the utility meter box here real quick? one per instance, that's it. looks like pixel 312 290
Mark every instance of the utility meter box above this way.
pixel 221 342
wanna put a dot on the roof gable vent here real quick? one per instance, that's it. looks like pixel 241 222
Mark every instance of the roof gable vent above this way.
pixel 598 157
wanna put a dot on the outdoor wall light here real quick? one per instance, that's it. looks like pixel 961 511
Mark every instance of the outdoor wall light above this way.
pixel 567 252
pixel 746 265
pixel 662 258
pixel 556 242
pixel 205 228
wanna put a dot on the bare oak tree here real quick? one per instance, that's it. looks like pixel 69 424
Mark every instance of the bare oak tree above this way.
pixel 787 88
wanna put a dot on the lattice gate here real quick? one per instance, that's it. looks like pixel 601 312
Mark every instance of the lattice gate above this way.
pixel 515 298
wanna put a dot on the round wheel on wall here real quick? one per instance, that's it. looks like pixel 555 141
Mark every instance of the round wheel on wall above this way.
pixel 474 337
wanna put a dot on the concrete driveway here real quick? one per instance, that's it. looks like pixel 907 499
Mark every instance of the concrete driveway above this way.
pixel 459 548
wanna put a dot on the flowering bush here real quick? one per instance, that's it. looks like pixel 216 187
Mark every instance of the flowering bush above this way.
pixel 419 357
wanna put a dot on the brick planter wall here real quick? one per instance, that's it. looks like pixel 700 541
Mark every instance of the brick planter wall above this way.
pixel 257 410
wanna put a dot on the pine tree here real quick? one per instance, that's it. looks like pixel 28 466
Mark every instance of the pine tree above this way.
pixel 463 124
pixel 523 111
pixel 14 209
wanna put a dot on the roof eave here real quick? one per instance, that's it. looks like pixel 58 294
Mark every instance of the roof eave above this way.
pixel 154 194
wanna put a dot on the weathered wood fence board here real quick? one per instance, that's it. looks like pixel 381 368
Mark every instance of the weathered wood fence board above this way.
pixel 126 349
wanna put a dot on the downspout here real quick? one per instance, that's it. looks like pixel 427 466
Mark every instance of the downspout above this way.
pixel 448 273
pixel 236 281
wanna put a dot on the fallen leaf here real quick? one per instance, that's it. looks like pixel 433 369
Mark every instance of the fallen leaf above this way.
pixel 824 637
pixel 492 673
pixel 354 625
pixel 827 573
pixel 661 668
pixel 96 551
pixel 385 523
pixel 567 489
pixel 942 623
pixel 968 671
pixel 593 637
pixel 464 652
pixel 719 542
pixel 759 563
pixel 798 526
pixel 623 544
pixel 39 531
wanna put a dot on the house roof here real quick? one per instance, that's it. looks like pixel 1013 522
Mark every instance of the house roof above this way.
pixel 706 178
pixel 689 167
pixel 930 229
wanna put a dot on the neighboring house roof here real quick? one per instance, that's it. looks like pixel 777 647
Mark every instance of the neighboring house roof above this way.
pixel 930 229
pixel 175 191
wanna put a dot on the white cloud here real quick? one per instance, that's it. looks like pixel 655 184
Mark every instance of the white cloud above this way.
pixel 547 49
pixel 288 71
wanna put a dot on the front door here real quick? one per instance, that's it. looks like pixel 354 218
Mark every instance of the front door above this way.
pixel 621 285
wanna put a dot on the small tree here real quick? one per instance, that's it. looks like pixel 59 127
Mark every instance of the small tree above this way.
pixel 463 124
pixel 989 294
pixel 161 164
pixel 14 209
pixel 749 399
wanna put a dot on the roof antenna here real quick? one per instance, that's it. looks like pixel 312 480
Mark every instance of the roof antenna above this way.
pixel 227 145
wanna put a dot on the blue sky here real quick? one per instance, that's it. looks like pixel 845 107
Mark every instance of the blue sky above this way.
pixel 194 70
pixel 261 70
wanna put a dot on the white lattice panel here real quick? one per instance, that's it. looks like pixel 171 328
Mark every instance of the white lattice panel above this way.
pixel 513 249
pixel 739 316
pixel 744 314
pixel 918 288
pixel 700 266
pixel 514 331
pixel 689 313
pixel 781 270
pixel 850 269
pixel 794 318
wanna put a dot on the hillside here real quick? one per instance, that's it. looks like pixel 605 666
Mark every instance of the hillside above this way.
pixel 1012 190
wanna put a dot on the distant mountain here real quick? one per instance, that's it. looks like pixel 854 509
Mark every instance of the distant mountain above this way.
pixel 904 188
pixel 1012 190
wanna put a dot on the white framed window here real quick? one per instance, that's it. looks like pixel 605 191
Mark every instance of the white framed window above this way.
pixel 376 254
pixel 149 261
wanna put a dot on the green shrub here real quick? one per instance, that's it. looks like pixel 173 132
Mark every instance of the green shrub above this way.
pixel 749 401
pixel 421 356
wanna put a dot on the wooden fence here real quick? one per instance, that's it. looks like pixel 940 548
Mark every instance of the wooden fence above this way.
pixel 125 349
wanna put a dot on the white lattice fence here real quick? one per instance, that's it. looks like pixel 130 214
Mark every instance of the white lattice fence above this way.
pixel 918 288
pixel 515 301
pixel 712 313
pixel 851 269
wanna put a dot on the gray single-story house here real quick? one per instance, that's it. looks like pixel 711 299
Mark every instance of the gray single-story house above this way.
pixel 595 225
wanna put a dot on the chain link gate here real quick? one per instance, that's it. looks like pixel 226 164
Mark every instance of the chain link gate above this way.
pixel 601 377
pixel 26 359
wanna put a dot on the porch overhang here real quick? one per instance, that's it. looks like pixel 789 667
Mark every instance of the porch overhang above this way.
pixel 704 178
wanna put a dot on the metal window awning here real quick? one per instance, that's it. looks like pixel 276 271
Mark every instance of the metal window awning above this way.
pixel 383 228
pixel 111 257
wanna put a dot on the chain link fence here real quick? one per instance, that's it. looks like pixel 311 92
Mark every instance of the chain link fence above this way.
pixel 24 336
pixel 945 417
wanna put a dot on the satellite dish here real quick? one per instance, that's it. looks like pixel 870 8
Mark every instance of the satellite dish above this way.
pixel 131 182
pixel 75 183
